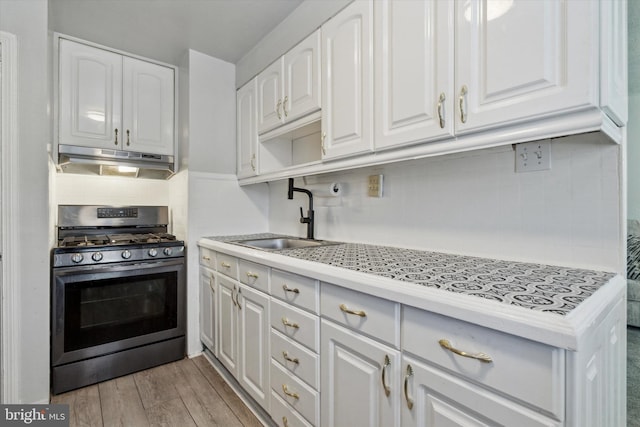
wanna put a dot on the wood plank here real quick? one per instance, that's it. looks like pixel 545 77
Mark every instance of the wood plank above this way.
pixel 121 403
pixel 155 385
pixel 84 406
pixel 244 414
pixel 202 400
pixel 170 413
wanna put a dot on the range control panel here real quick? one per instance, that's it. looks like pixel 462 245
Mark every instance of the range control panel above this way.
pixel 117 212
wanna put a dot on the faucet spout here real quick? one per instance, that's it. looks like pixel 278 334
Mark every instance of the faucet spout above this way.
pixel 309 219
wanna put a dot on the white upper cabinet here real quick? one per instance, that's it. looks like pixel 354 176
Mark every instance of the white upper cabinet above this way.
pixel 247 130
pixel 347 81
pixel 147 107
pixel 290 87
pixel 90 96
pixel 523 60
pixel 107 100
pixel 613 60
pixel 414 54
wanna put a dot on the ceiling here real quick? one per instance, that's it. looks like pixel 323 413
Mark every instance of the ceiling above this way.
pixel 164 29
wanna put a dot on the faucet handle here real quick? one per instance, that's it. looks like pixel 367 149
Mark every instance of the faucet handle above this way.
pixel 303 219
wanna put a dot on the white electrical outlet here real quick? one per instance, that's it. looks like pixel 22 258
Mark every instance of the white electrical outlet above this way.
pixel 375 186
pixel 533 156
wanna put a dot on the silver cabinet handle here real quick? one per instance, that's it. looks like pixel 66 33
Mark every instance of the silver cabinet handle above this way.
pixel 440 108
pixel 116 132
pixel 238 298
pixel 278 109
pixel 128 140
pixel 289 359
pixel 284 106
pixel 252 275
pixel 206 258
pixel 233 300
pixel 211 279
pixel 285 422
pixel 324 136
pixel 463 93
pixel 446 344
pixel 286 322
pixel 253 162
pixel 408 375
pixel 225 264
pixel 288 289
pixel 387 362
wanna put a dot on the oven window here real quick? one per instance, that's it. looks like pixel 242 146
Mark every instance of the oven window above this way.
pixel 108 310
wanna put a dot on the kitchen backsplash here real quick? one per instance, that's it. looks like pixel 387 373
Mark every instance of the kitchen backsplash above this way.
pixel 476 204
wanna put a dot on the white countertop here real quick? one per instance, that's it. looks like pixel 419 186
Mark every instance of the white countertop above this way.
pixel 549 304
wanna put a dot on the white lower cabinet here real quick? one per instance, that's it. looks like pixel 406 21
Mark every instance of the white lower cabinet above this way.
pixel 244 337
pixel 360 383
pixel 434 398
pixel 208 309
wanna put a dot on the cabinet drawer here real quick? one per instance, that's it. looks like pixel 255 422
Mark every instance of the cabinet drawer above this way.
pixel 207 258
pixel 296 358
pixel 284 415
pixel 255 275
pixel 376 317
pixel 227 265
pixel 296 393
pixel 526 370
pixel 295 323
pixel 297 290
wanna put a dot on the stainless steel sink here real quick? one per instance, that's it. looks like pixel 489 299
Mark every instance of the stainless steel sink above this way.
pixel 279 243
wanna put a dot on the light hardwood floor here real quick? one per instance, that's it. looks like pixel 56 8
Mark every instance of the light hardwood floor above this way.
pixel 185 393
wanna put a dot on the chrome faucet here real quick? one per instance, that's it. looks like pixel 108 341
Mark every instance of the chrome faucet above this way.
pixel 309 218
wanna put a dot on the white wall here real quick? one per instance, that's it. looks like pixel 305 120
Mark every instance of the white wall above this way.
pixel 633 127
pixel 476 204
pixel 206 197
pixel 28 21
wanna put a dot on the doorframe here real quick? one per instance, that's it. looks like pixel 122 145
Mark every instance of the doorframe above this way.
pixel 9 322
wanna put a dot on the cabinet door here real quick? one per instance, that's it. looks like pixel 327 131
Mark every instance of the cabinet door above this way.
pixel 613 60
pixel 302 78
pixel 270 88
pixel 355 373
pixel 253 337
pixel 523 59
pixel 247 130
pixel 148 107
pixel 90 96
pixel 347 81
pixel 207 309
pixel 228 324
pixel 414 53
pixel 434 398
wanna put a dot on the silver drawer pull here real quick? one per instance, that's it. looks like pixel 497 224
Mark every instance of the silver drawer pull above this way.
pixel 206 258
pixel 347 310
pixel 286 322
pixel 288 393
pixel 287 289
pixel 289 359
pixel 252 275
pixel 225 264
pixel 478 356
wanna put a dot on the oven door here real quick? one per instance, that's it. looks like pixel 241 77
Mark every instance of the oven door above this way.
pixel 99 310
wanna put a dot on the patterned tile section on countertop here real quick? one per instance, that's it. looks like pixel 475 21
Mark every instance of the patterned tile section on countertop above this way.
pixel 535 286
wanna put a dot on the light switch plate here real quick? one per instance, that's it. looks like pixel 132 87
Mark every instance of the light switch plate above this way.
pixel 375 186
pixel 533 156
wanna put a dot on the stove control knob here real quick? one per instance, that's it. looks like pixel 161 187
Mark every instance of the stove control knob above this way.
pixel 153 252
pixel 77 258
pixel 126 254
pixel 168 251
pixel 97 256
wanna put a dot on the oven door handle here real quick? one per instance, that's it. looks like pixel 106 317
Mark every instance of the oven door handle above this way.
pixel 118 267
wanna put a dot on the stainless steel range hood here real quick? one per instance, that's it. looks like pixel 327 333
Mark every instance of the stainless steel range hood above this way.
pixel 100 161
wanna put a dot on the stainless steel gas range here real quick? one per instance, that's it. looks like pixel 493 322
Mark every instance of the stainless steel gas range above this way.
pixel 118 296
